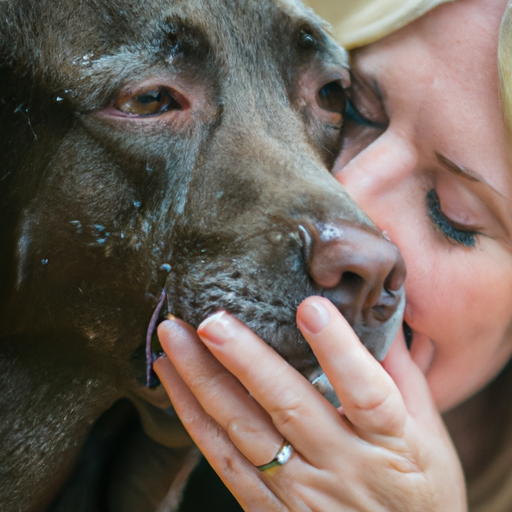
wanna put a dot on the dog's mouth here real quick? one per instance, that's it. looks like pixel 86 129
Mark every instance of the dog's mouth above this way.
pixel 154 349
pixel 324 387
pixel 378 341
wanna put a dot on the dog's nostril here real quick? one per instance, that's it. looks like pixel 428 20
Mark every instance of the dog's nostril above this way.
pixel 359 269
pixel 396 277
pixel 351 280
pixel 382 310
pixel 380 313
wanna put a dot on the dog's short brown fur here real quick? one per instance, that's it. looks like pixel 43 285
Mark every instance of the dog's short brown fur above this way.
pixel 223 197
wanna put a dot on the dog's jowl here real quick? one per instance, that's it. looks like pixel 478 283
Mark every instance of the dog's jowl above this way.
pixel 175 151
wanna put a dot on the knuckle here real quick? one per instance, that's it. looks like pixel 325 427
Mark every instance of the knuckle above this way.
pixel 373 401
pixel 240 427
pixel 208 383
pixel 291 414
pixel 384 413
pixel 228 465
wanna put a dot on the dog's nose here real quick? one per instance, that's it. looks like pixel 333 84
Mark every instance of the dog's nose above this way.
pixel 359 270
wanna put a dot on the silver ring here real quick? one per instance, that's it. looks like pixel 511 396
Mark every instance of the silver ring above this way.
pixel 282 457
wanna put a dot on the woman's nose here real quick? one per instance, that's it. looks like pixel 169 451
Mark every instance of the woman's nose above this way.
pixel 359 270
pixel 380 177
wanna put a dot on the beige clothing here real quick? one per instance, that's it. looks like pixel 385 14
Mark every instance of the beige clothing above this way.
pixel 359 22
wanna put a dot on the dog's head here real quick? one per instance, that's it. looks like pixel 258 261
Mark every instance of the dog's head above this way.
pixel 182 146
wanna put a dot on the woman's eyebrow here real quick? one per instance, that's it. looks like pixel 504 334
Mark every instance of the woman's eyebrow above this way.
pixel 464 172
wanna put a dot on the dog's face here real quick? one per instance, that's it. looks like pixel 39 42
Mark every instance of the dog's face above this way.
pixel 182 146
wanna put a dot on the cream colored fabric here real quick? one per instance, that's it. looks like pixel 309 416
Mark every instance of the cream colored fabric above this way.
pixel 505 63
pixel 359 22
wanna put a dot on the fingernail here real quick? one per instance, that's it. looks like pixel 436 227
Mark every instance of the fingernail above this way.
pixel 216 329
pixel 171 317
pixel 314 317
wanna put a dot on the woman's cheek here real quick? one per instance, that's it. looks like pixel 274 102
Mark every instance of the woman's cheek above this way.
pixel 470 322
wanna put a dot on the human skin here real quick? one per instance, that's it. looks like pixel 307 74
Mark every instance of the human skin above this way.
pixel 437 92
pixel 441 94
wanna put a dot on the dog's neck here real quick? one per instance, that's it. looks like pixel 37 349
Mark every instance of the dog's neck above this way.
pixel 47 412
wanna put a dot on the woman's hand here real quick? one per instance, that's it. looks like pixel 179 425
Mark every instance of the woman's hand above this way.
pixel 386 449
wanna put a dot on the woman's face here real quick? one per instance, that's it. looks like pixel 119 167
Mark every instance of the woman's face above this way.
pixel 438 180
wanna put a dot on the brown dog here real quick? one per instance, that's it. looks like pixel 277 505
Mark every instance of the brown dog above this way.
pixel 175 150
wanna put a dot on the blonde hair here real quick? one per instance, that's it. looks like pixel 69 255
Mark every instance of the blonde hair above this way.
pixel 359 22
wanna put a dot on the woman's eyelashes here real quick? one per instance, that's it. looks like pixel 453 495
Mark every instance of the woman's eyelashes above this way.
pixel 450 229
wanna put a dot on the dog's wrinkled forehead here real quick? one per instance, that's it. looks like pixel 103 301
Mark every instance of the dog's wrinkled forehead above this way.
pixel 296 9
pixel 128 38
pixel 226 26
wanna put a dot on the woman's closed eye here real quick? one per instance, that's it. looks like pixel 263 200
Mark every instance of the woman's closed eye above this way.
pixel 453 231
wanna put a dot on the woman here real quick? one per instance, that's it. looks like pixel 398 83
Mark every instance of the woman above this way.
pixel 428 157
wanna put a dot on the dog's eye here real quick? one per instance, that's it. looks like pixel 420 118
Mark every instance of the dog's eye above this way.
pixel 332 97
pixel 307 39
pixel 149 102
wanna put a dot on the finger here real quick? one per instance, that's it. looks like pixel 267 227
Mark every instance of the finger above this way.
pixel 237 473
pixel 409 379
pixel 298 411
pixel 255 490
pixel 370 398
pixel 220 394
